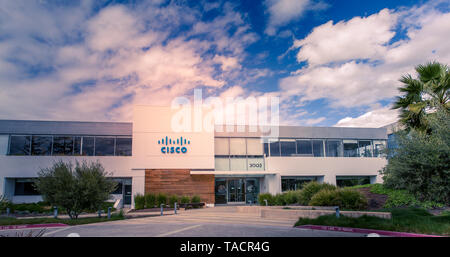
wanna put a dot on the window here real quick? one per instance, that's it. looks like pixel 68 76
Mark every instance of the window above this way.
pixel 104 146
pixel 266 149
pixel 378 148
pixel 350 148
pixel 304 147
pixel 288 148
pixel 62 145
pixel 365 148
pixel 254 147
pixel 221 146
pixel 333 148
pixel 238 163
pixel 19 145
pixel 274 148
pixel 87 146
pixel 118 190
pixel 295 183
pixel 347 181
pixel 25 186
pixel 123 146
pixel 318 148
pixel 77 145
pixel 238 146
pixel 41 145
pixel 222 163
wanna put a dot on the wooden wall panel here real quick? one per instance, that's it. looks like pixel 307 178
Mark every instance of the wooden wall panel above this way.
pixel 180 182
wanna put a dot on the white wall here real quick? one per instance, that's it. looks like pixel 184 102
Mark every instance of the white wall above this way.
pixel 151 124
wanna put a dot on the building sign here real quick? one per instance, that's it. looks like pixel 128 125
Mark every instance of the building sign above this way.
pixel 179 148
pixel 255 164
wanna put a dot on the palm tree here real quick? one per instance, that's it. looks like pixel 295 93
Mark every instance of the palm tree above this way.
pixel 424 95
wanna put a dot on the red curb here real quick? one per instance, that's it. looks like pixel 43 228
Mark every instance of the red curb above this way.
pixel 49 225
pixel 365 231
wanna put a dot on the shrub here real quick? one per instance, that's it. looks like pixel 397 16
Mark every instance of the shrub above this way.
pixel 280 199
pixel 344 198
pixel 265 196
pixel 401 198
pixel 139 202
pixel 326 197
pixel 352 199
pixel 311 189
pixel 4 203
pixel 161 198
pixel 195 199
pixel 76 188
pixel 172 200
pixel 292 197
pixel 185 199
pixel 150 200
pixel 420 162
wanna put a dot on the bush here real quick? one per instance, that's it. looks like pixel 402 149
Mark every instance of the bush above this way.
pixel 195 199
pixel 172 200
pixel 420 162
pixel 352 199
pixel 76 188
pixel 326 197
pixel 185 199
pixel 292 197
pixel 150 200
pixel 265 196
pixel 311 189
pixel 344 198
pixel 4 203
pixel 139 202
pixel 161 198
pixel 401 198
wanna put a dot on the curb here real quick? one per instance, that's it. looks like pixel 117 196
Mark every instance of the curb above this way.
pixel 49 225
pixel 365 231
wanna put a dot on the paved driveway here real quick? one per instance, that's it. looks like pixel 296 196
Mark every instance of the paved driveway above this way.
pixel 209 222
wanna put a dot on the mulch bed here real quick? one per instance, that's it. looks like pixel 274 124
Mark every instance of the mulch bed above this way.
pixel 376 201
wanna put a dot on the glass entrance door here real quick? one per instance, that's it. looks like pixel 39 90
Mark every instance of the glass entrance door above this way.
pixel 251 190
pixel 236 190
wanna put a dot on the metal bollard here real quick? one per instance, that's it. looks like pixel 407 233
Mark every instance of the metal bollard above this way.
pixel 265 200
pixel 8 211
pixel 109 212
pixel 55 212
pixel 175 207
pixel 337 211
pixel 162 207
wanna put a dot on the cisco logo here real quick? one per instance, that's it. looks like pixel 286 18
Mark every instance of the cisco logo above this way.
pixel 180 145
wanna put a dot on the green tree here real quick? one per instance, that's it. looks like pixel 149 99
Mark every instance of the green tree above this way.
pixel 421 164
pixel 84 186
pixel 423 95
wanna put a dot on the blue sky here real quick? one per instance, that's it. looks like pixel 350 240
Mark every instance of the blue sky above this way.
pixel 332 63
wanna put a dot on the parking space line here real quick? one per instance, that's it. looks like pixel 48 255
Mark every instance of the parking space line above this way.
pixel 177 231
pixel 55 231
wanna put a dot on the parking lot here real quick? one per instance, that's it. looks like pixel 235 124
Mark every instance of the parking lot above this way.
pixel 209 222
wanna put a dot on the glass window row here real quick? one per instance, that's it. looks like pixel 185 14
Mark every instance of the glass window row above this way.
pixel 322 148
pixel 69 145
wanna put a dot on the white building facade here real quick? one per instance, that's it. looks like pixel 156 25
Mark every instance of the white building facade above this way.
pixel 221 166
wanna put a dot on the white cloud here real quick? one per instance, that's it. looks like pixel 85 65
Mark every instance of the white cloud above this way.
pixel 373 119
pixel 358 38
pixel 356 63
pixel 281 12
pixel 71 63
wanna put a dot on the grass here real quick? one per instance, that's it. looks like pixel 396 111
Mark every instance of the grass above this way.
pixel 413 220
pixel 80 221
